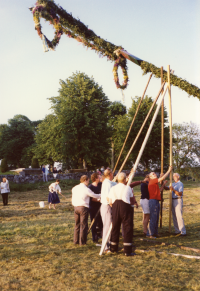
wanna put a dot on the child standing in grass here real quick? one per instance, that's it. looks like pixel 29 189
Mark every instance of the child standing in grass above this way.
pixel 53 196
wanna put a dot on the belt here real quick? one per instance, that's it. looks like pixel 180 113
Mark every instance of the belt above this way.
pixel 177 198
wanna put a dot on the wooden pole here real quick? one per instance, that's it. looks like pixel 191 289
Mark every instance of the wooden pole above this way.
pixel 170 151
pixel 127 156
pixel 146 137
pixel 132 123
pixel 112 154
pixel 162 148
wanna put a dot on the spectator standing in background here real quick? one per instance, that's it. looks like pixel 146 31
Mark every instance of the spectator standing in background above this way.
pixel 43 173
pixel 55 172
pixel 4 191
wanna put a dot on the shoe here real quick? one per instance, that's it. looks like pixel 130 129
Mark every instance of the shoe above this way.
pixel 107 252
pixel 130 254
pixel 150 236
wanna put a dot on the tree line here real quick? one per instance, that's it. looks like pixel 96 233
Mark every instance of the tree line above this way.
pixel 82 125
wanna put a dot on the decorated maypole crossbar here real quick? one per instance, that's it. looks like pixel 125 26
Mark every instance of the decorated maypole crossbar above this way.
pixel 64 23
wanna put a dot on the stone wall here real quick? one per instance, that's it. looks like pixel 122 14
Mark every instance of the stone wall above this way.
pixel 19 179
pixel 24 178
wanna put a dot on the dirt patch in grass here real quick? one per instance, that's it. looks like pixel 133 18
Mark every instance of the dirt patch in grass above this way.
pixel 37 250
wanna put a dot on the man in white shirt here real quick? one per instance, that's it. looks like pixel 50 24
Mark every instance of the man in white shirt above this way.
pixel 120 197
pixel 105 209
pixel 80 200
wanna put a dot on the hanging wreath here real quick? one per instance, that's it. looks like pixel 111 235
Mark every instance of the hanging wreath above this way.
pixel 53 19
pixel 122 63
pixel 65 23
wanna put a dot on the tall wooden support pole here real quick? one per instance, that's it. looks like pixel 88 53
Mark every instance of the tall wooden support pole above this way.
pixel 112 154
pixel 146 138
pixel 170 152
pixel 132 124
pixel 144 122
pixel 162 148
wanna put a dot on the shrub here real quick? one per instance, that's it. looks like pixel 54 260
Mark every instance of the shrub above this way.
pixel 35 163
pixel 4 166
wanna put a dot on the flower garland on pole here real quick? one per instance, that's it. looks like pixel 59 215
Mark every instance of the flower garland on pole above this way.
pixel 120 62
pixel 65 23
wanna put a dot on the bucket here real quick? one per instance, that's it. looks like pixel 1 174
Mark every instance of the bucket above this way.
pixel 41 203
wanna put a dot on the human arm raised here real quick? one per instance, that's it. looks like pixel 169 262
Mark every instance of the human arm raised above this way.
pixel 165 175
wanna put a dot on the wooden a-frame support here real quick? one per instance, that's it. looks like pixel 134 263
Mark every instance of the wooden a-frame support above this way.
pixel 138 158
pixel 132 123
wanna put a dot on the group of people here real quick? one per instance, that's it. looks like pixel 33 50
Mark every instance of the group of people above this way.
pixel 110 202
pixel 45 172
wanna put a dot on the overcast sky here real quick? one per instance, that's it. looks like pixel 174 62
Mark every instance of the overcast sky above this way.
pixel 160 32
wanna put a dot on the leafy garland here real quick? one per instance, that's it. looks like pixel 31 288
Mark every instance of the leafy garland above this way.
pixel 120 62
pixel 65 23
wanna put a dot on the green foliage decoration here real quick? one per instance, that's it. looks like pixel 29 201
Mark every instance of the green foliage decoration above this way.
pixel 4 165
pixel 65 23
pixel 174 80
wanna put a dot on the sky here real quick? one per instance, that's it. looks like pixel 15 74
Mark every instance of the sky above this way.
pixel 157 31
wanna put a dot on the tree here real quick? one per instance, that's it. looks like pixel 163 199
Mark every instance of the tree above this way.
pixel 35 163
pixel 15 138
pixel 186 147
pixel 82 112
pixel 4 166
pixel 115 109
pixel 48 147
pixel 152 154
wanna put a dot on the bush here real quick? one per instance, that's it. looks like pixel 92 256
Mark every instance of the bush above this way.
pixel 35 163
pixel 4 166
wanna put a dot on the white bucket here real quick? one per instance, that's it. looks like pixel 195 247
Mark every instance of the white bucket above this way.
pixel 41 203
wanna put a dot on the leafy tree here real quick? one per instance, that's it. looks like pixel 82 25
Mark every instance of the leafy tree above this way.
pixel 35 163
pixel 115 109
pixel 152 154
pixel 4 166
pixel 14 138
pixel 48 147
pixel 82 112
pixel 186 146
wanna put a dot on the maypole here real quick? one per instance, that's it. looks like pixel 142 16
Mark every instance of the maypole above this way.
pixel 64 23
pixel 170 151
pixel 162 148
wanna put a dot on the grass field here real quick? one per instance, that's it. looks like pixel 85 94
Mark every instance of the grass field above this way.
pixel 37 252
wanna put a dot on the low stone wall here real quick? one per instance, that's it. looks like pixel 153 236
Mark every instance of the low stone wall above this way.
pixel 19 179
pixel 22 178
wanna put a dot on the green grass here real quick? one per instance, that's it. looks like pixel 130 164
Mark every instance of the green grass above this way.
pixel 37 251
pixel 8 173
